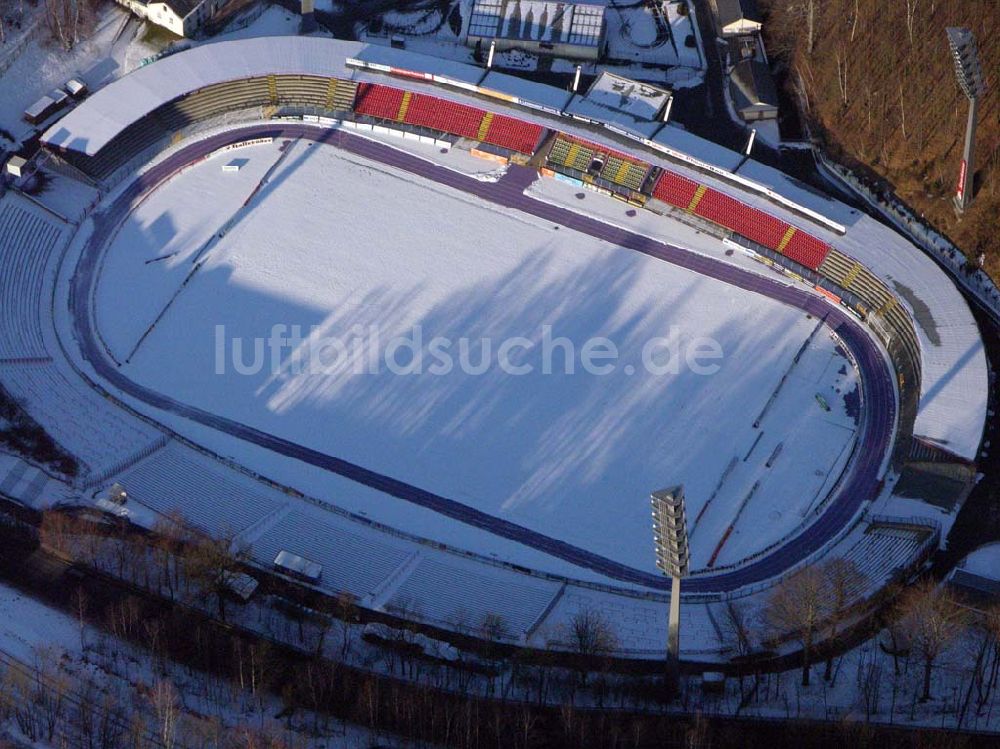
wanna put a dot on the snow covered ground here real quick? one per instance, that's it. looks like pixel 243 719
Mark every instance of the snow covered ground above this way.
pixel 570 455
pixel 87 660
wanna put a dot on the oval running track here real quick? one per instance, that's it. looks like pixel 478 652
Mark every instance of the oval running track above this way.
pixel 859 485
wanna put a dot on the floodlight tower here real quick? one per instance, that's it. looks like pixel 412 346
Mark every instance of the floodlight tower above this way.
pixel 307 8
pixel 673 558
pixel 970 79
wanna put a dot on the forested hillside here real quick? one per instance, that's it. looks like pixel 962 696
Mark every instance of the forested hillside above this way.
pixel 877 86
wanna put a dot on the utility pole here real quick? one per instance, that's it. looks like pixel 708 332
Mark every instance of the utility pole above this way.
pixel 970 79
pixel 670 539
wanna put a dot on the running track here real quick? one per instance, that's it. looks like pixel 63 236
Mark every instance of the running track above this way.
pixel 877 381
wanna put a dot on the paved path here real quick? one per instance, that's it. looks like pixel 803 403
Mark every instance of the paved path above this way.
pixel 859 485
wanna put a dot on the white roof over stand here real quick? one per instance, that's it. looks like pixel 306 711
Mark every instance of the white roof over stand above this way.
pixel 93 124
pixel 954 383
pixel 527 92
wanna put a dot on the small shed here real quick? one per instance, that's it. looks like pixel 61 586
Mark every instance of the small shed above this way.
pixel 17 166
pixel 45 107
pixel 76 88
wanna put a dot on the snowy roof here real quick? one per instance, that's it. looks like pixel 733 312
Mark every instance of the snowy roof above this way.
pixel 753 85
pixel 525 91
pixel 731 12
pixel 106 113
pixel 984 560
pixel 629 104
pixel 675 137
pixel 52 98
pixel 377 54
pixel 538 21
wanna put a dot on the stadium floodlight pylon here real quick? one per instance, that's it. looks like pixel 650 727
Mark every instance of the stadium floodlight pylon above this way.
pixel 970 79
pixel 673 558
pixel 308 11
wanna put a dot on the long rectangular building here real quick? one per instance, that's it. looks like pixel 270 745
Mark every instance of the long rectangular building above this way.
pixel 539 26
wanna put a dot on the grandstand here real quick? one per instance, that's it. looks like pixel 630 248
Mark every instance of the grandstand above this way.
pixel 178 480
pixel 30 484
pixel 354 560
pixel 742 219
pixel 28 238
pixel 434 113
pixel 594 160
pixel 84 423
pixel 431 590
pixel 883 549
pixel 637 620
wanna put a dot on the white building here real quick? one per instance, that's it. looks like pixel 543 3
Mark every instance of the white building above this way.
pixel 181 17
pixel 541 27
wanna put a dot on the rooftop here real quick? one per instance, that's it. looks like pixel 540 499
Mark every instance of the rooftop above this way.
pixel 538 21
pixel 753 85
pixel 731 12
pixel 630 104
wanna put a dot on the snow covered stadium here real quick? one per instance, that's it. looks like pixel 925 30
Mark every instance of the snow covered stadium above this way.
pixel 844 422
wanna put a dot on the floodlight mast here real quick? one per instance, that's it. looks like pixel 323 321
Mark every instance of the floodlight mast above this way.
pixel 970 80
pixel 672 558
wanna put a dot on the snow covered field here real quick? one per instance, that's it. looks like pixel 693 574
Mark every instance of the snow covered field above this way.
pixel 574 456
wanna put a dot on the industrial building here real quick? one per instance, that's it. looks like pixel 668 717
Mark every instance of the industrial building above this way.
pixel 543 28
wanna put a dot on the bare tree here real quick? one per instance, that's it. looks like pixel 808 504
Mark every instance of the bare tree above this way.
pixel 797 606
pixel 932 619
pixel 589 634
pixel 68 20
pixel 911 12
pixel 164 701
pixel 346 612
pixel 493 629
pixel 210 564
pixel 841 576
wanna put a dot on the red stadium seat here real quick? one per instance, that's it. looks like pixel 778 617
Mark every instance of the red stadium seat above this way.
pixel 763 228
pixel 743 219
pixel 806 249
pixel 514 134
pixel 378 101
pixel 444 115
pixel 674 189
pixel 721 209
pixel 435 113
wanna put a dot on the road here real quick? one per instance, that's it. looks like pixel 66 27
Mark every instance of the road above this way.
pixel 859 485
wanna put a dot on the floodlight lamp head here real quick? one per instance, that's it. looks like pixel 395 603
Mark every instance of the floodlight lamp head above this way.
pixel 966 59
